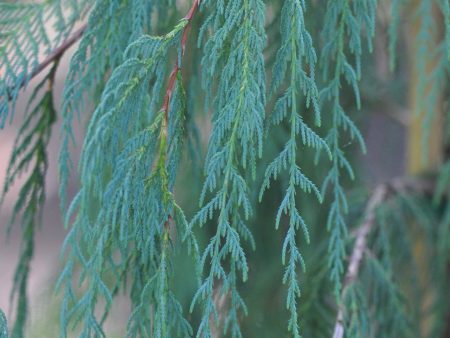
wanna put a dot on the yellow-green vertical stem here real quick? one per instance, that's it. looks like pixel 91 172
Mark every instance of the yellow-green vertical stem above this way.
pixel 417 162
pixel 423 157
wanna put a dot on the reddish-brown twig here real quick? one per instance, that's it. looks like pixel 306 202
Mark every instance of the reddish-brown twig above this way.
pixel 53 56
pixel 177 66
pixel 173 77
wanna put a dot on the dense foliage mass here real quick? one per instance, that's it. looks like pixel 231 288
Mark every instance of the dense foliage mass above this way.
pixel 278 89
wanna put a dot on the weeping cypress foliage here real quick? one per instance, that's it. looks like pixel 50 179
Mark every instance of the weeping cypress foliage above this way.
pixel 25 33
pixel 30 150
pixel 3 325
pixel 278 86
pixel 97 54
pixel 342 19
pixel 297 51
pixel 235 47
pixel 134 182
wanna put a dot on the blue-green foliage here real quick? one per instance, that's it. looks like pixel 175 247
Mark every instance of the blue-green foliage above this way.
pixel 396 7
pixel 442 255
pixel 433 68
pixel 3 325
pixel 391 303
pixel 25 36
pixel 432 54
pixel 99 52
pixel 377 303
pixel 382 286
pixel 235 47
pixel 357 321
pixel 30 150
pixel 126 217
pixel 445 7
pixel 442 246
pixel 443 183
pixel 296 51
pixel 344 24
pixel 125 223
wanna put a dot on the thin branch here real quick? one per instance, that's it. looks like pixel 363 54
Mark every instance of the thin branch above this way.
pixel 53 56
pixel 380 194
pixel 177 66
pixel 173 78
pixel 377 198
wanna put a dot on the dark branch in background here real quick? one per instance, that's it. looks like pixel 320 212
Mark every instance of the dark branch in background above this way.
pixel 380 194
pixel 53 56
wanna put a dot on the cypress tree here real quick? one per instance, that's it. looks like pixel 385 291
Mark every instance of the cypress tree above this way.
pixel 271 200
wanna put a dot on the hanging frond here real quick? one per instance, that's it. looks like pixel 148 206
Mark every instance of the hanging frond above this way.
pixel 30 150
pixel 296 50
pixel 135 153
pixel 445 7
pixel 345 22
pixel 235 46
pixel 141 88
pixel 433 67
pixel 3 325
pixel 396 8
pixel 99 52
pixel 382 246
pixel 432 52
pixel 25 36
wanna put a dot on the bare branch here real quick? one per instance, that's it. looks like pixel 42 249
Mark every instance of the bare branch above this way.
pixel 380 194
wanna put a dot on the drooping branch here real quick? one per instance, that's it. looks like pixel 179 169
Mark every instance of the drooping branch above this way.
pixel 55 55
pixel 177 66
pixel 380 194
pixel 173 77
